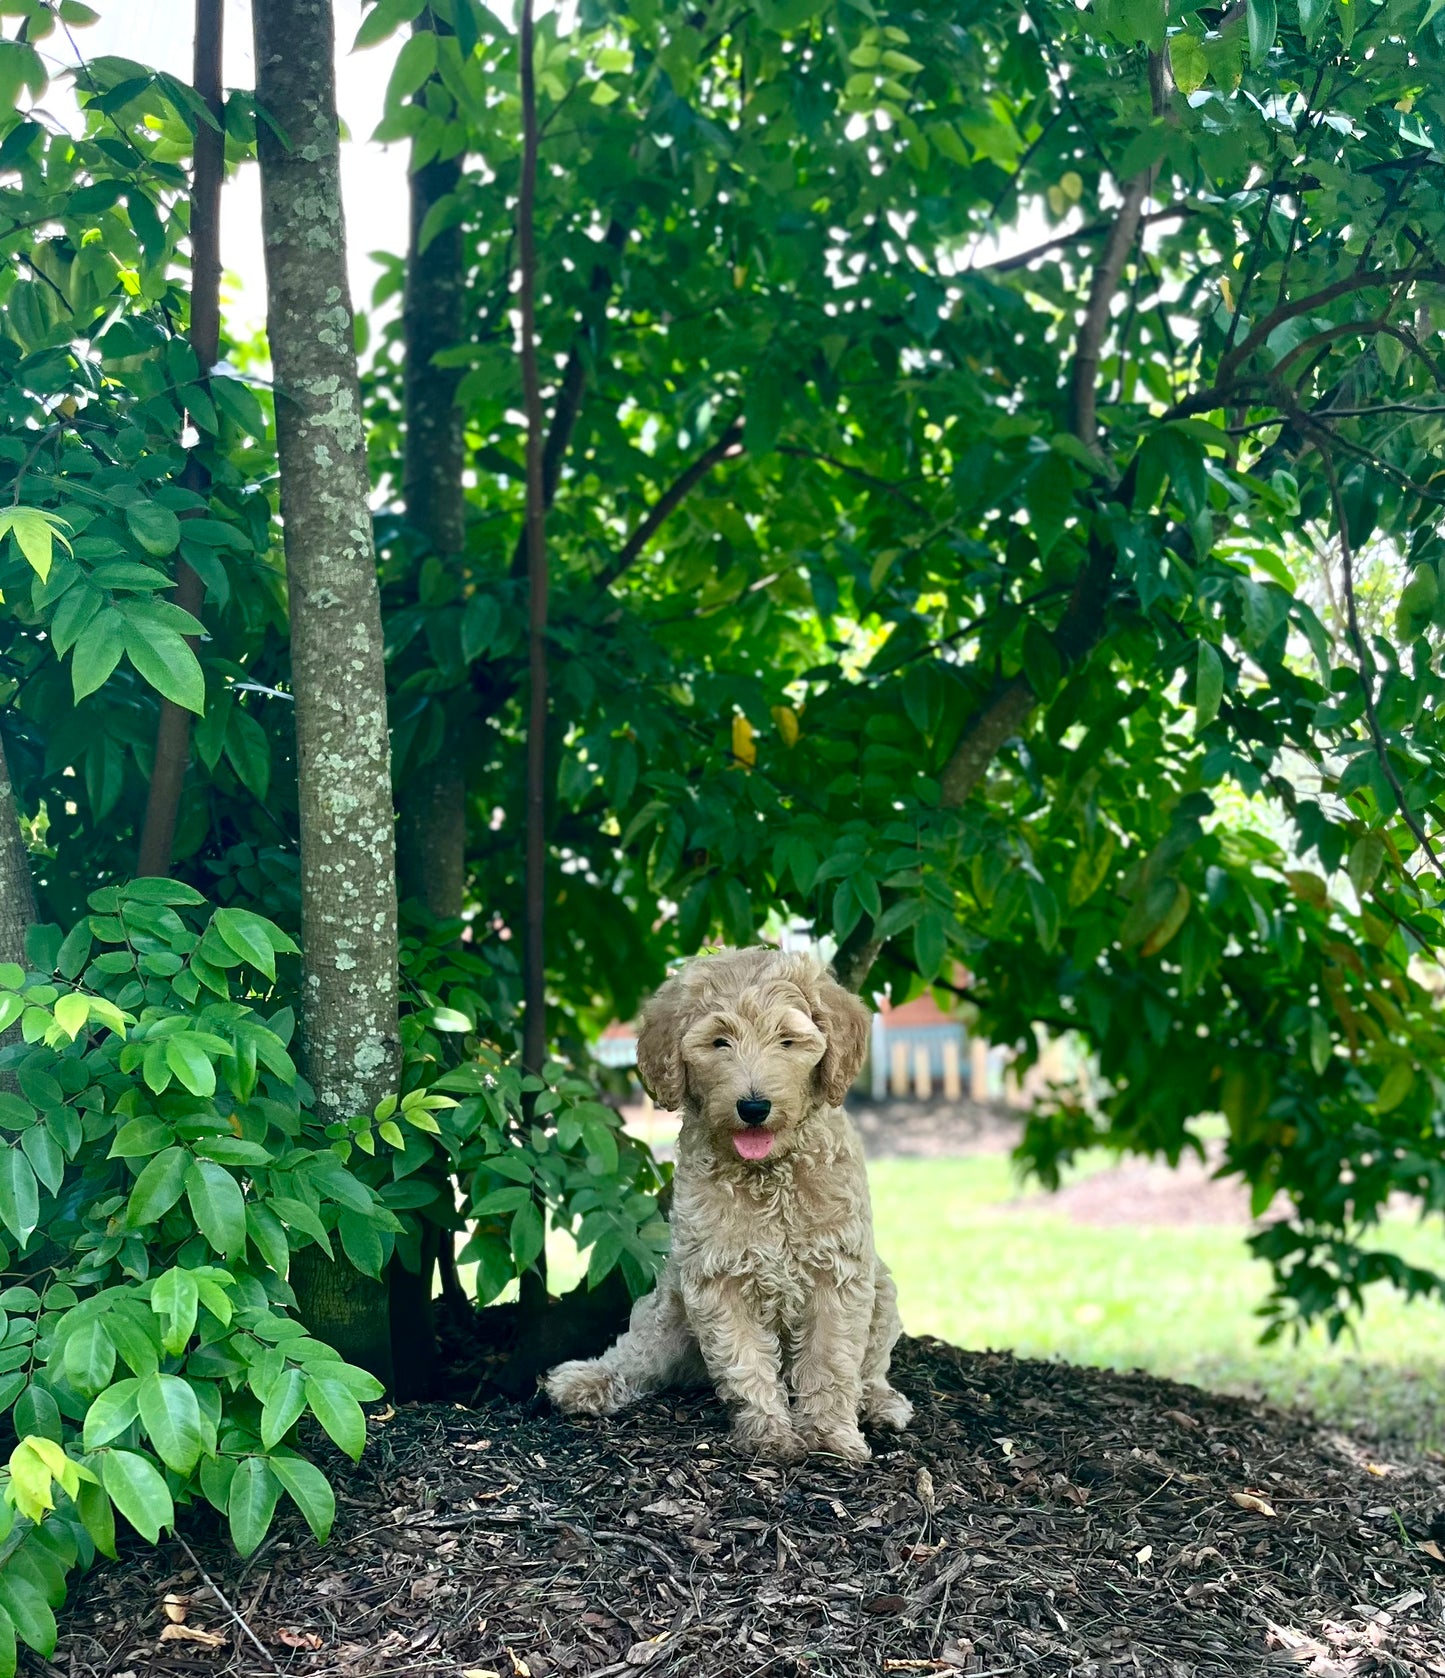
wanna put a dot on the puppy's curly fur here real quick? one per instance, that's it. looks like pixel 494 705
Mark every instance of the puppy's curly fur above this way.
pixel 772 1291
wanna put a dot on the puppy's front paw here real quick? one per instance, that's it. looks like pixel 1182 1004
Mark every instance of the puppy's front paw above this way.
pixel 586 1389
pixel 760 1435
pixel 838 1439
pixel 885 1406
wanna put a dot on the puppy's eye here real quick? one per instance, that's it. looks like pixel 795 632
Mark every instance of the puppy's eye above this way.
pixel 787 1042
pixel 721 1043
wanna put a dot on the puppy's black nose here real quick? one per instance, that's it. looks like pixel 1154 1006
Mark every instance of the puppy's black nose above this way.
pixel 753 1109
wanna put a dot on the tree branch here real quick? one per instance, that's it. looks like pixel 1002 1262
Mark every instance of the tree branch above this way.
pixel 573 387
pixel 730 443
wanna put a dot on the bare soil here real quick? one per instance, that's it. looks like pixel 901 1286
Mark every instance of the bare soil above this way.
pixel 1036 1519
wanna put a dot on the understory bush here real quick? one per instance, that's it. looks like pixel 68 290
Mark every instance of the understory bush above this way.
pixel 160 1164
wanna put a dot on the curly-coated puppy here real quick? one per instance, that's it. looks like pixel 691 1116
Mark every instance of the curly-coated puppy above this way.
pixel 772 1285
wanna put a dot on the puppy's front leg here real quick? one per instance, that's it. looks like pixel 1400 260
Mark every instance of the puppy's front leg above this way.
pixel 828 1365
pixel 745 1361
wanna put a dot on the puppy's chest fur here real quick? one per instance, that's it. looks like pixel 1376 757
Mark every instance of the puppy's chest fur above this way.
pixel 781 1228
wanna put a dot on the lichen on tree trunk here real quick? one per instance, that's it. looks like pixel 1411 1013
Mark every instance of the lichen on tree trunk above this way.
pixel 348 867
pixel 17 888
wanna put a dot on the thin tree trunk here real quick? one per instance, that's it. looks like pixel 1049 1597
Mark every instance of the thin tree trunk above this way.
pixel 432 814
pixel 348 857
pixel 432 826
pixel 534 971
pixel 173 732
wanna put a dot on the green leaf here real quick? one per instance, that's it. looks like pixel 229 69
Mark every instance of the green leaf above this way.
pixel 1263 21
pixel 1312 15
pixel 1187 63
pixel 111 1413
pixel 269 1237
pixel 1208 686
pixel 46 1159
pixel 163 659
pixel 361 1242
pixel 285 1403
pixel 19 1194
pixel 97 652
pixel 190 1063
pixel 171 1414
pixel 218 1206
pixel 339 1413
pixel 249 752
pixel 414 63
pixel 97 1516
pixel 28 1612
pixel 158 1187
pixel 175 1298
pixel 75 951
pixel 89 1357
pixel 385 18
pixel 37 1412
pixel 34 532
pixel 1049 494
pixel 251 1503
pixel 156 528
pixel 248 936
pixel 309 1490
pixel 138 1492
pixel 238 403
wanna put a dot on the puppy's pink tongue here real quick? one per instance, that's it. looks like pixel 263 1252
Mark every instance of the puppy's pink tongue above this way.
pixel 753 1144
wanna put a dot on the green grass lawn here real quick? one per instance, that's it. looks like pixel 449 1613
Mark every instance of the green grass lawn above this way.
pixel 985 1264
pixel 1177 1302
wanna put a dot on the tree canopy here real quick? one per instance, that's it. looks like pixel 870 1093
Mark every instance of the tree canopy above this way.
pixel 987 461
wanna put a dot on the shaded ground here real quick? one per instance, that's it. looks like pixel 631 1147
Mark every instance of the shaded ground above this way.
pixel 1037 1519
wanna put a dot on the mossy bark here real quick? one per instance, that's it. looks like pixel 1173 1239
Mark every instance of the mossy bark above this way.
pixel 348 858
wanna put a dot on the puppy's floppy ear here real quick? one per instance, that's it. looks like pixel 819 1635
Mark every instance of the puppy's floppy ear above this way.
pixel 659 1046
pixel 844 1022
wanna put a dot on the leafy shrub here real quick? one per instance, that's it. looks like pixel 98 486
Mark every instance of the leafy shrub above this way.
pixel 161 1163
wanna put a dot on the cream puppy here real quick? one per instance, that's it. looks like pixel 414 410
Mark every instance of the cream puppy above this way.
pixel 772 1291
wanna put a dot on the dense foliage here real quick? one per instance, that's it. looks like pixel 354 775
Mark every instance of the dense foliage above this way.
pixel 997 611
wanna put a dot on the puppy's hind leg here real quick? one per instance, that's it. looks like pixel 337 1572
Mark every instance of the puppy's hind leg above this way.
pixel 658 1350
pixel 883 1405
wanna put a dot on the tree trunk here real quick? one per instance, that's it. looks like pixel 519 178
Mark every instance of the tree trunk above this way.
pixel 173 732
pixel 17 888
pixel 534 953
pixel 432 830
pixel 431 834
pixel 432 815
pixel 348 854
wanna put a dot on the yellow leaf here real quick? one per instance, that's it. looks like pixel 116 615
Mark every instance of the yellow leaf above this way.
pixel 787 720
pixel 1227 292
pixel 744 750
pixel 1255 1505
pixel 1071 184
pixel 1171 923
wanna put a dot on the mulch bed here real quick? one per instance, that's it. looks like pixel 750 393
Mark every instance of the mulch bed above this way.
pixel 1037 1519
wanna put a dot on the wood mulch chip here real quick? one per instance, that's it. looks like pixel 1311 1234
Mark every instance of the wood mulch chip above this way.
pixel 1037 1519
